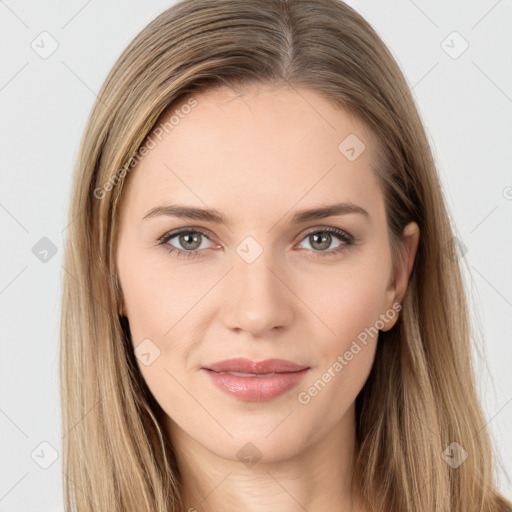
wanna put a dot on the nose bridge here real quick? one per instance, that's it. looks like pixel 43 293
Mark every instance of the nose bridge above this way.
pixel 258 299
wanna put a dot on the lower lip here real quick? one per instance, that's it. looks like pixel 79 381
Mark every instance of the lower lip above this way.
pixel 256 389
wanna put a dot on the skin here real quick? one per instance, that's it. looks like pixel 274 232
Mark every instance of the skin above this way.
pixel 258 159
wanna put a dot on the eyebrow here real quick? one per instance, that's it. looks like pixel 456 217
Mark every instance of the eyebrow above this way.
pixel 214 216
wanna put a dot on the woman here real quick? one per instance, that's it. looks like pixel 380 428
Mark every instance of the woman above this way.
pixel 263 307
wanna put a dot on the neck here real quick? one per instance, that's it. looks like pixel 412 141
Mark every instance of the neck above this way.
pixel 317 478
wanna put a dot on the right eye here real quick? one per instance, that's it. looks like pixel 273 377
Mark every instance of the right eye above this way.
pixel 189 239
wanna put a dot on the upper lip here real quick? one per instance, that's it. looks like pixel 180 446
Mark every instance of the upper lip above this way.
pixel 258 367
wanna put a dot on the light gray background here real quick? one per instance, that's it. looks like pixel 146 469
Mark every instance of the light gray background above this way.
pixel 466 104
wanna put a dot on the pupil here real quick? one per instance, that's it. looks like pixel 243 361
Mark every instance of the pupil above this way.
pixel 325 239
pixel 186 242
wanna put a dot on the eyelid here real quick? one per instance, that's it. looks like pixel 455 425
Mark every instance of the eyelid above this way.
pixel 174 232
pixel 328 229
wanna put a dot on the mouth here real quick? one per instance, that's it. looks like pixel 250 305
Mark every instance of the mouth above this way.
pixel 243 374
pixel 255 381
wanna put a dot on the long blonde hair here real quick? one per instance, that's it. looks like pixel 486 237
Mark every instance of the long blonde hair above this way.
pixel 420 396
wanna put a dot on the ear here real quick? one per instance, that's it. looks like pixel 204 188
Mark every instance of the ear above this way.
pixel 398 285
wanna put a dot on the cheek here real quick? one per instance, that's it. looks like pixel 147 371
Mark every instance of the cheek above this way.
pixel 349 303
pixel 167 305
pixel 345 355
pixel 163 306
pixel 156 295
pixel 346 299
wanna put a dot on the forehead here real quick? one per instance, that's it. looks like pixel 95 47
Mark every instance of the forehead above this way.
pixel 256 148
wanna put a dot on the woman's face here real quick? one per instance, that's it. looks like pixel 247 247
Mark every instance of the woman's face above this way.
pixel 268 282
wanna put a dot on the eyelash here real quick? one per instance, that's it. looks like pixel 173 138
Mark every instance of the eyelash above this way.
pixel 343 236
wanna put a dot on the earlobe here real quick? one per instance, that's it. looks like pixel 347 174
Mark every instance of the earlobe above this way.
pixel 390 318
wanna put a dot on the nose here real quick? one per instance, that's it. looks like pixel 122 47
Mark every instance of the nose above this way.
pixel 258 298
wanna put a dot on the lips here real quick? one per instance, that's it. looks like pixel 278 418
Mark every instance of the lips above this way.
pixel 246 366
pixel 255 381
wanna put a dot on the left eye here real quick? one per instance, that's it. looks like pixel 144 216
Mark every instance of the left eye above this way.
pixel 322 239
pixel 190 241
